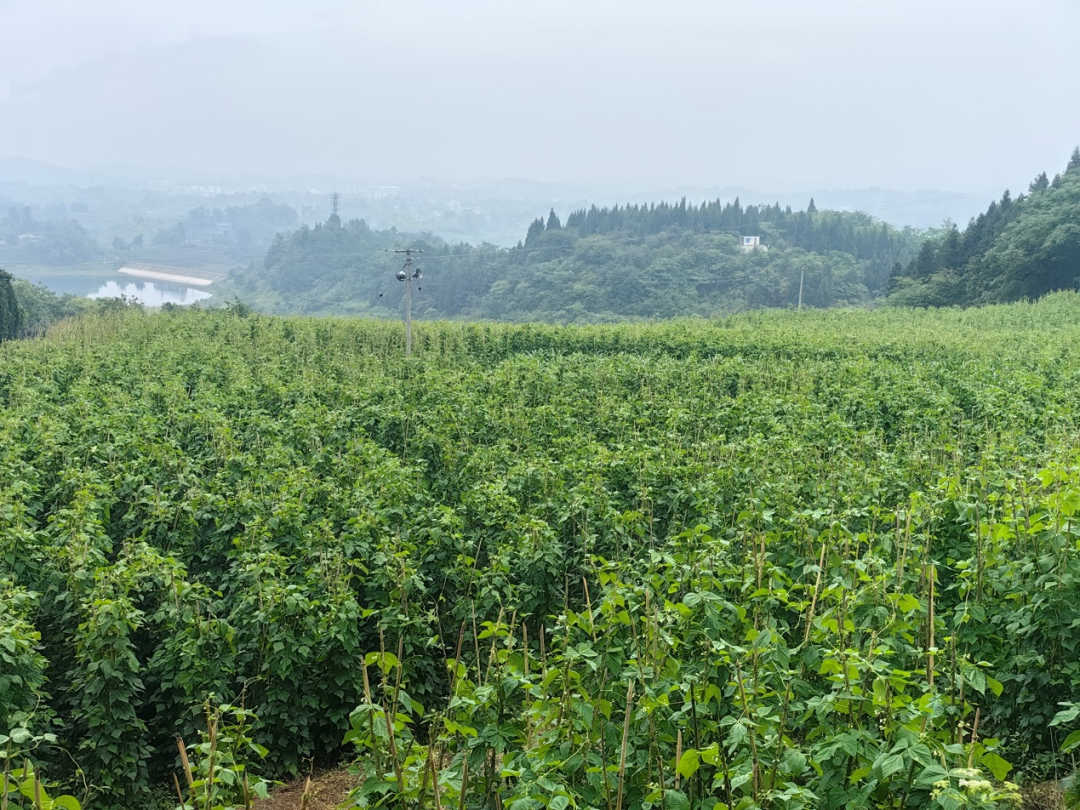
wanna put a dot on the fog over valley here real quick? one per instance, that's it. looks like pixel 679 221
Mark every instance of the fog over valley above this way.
pixel 619 97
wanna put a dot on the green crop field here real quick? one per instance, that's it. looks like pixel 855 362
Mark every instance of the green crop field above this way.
pixel 780 560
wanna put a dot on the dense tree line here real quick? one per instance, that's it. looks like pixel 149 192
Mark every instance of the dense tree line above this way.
pixel 1019 248
pixel 603 264
pixel 28 309
pixel 40 307
pixel 858 234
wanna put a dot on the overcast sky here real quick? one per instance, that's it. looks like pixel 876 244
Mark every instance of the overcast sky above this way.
pixel 776 95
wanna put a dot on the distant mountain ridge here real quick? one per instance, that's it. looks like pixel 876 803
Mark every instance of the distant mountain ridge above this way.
pixel 922 208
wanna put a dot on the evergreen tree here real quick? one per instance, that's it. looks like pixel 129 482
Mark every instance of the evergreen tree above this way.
pixel 553 223
pixel 10 314
pixel 811 208
pixel 1039 183
pixel 536 230
pixel 1074 161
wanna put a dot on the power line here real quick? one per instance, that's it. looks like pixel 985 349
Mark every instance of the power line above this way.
pixel 408 273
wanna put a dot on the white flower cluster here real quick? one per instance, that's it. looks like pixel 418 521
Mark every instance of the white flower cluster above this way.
pixel 976 785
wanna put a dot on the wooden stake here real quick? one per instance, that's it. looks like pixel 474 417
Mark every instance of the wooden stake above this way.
pixel 678 757
pixel 974 736
pixel 625 738
pixel 813 600
pixel 184 761
pixel 179 793
pixel 930 673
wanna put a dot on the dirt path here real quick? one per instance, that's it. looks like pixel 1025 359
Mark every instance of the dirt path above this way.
pixel 330 789
pixel 326 791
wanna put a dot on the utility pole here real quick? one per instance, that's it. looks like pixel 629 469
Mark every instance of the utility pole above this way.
pixel 802 273
pixel 408 273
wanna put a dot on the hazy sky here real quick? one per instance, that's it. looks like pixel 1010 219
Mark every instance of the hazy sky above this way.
pixel 773 94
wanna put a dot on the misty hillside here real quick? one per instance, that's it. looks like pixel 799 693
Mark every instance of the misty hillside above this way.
pixel 603 264
pixel 1017 249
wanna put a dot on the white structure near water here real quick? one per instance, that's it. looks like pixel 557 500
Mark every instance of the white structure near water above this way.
pixel 176 275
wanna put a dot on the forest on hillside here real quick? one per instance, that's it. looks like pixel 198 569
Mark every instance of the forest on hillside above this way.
pixel 1019 248
pixel 603 264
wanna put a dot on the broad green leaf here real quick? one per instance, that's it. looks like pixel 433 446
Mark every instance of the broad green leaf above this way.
pixel 859 774
pixel 996 765
pixel 1071 742
pixel 689 763
pixel 907 603
pixel 889 765
pixel 1066 715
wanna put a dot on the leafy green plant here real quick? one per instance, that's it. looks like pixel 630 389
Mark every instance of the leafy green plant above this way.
pixel 216 769
pixel 22 787
pixel 765 560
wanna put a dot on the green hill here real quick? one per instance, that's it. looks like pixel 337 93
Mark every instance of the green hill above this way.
pixel 1018 249
pixel 604 264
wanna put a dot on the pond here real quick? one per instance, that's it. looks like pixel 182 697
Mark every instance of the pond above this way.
pixel 107 283
pixel 150 293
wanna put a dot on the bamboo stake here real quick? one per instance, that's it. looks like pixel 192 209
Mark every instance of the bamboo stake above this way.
pixel 464 783
pixel 588 604
pixel 179 793
pixel 184 761
pixel 371 718
pixel 678 757
pixel 663 789
pixel 813 600
pixel 974 736
pixel 394 750
pixel 213 751
pixel 528 687
pixel 7 775
pixel 476 646
pixel 625 738
pixel 525 645
pixel 930 673
pixel 435 779
pixel 457 657
pixel 543 654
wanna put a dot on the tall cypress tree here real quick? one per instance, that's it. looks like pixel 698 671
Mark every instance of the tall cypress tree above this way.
pixel 536 230
pixel 1074 161
pixel 10 314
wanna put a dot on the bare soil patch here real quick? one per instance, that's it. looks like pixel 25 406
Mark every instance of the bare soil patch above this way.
pixel 326 791
pixel 1043 796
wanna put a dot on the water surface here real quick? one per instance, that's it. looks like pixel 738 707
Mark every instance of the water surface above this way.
pixel 150 293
